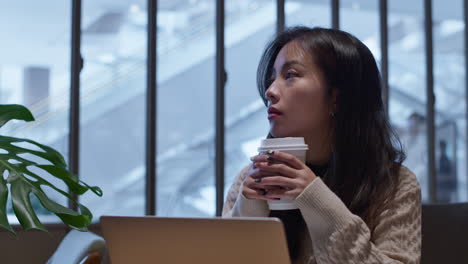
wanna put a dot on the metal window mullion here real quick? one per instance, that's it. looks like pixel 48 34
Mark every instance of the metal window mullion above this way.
pixel 219 118
pixel 280 16
pixel 383 9
pixel 430 104
pixel 465 18
pixel 335 10
pixel 74 125
pixel 151 101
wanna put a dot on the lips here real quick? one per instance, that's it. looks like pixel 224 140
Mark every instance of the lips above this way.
pixel 273 112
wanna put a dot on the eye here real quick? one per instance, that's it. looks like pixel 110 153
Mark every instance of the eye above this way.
pixel 290 75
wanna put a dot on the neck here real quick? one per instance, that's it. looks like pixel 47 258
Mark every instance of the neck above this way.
pixel 320 150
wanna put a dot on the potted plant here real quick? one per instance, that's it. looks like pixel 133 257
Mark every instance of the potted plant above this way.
pixel 15 172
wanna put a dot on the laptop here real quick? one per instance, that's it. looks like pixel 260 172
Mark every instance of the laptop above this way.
pixel 194 240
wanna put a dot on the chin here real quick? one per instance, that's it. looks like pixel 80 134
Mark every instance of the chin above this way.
pixel 278 133
pixel 281 132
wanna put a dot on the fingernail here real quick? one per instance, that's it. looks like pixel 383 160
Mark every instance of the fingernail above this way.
pixel 258 180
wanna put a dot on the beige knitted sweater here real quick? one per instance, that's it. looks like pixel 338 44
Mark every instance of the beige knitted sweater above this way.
pixel 338 236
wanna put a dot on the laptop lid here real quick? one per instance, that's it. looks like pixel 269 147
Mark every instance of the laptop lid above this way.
pixel 194 240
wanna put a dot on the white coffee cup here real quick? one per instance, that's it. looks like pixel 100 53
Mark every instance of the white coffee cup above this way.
pixel 292 145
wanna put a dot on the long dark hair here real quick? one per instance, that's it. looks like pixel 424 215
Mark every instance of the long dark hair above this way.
pixel 367 155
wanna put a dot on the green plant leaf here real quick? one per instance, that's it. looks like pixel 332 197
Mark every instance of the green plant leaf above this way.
pixel 14 111
pixel 48 153
pixel 22 207
pixel 22 188
pixel 73 219
pixel 79 222
pixel 3 204
pixel 24 183
pixel 78 187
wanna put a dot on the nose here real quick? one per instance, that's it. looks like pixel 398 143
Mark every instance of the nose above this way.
pixel 272 94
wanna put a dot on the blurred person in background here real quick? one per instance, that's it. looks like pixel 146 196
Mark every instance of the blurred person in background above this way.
pixel 446 177
pixel 414 141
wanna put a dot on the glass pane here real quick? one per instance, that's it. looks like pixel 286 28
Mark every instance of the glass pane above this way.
pixel 113 91
pixel 34 71
pixel 308 13
pixel 407 81
pixel 246 118
pixel 186 113
pixel 361 18
pixel 449 88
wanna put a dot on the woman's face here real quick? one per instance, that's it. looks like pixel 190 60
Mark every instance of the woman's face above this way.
pixel 299 95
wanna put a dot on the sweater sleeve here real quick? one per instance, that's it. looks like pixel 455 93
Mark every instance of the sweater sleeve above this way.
pixel 238 205
pixel 339 236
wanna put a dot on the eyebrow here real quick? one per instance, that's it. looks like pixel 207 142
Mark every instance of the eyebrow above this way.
pixel 288 64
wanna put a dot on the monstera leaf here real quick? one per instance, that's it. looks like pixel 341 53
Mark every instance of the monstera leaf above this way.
pixel 16 171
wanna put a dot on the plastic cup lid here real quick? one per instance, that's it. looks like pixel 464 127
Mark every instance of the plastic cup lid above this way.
pixel 288 143
pixel 283 148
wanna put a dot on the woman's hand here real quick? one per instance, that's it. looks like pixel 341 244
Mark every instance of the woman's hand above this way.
pixel 251 187
pixel 289 177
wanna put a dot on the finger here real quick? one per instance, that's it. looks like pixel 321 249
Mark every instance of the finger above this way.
pixel 255 184
pixel 256 194
pixel 282 194
pixel 259 158
pixel 278 169
pixel 286 158
pixel 276 193
pixel 273 188
pixel 279 181
pixel 257 173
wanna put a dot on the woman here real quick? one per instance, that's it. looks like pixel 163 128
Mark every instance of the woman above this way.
pixel 357 203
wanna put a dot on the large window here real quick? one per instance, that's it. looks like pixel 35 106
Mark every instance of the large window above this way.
pixel 112 102
pixel 186 116
pixel 407 84
pixel 249 28
pixel 308 13
pixel 34 71
pixel 450 108
pixel 361 18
